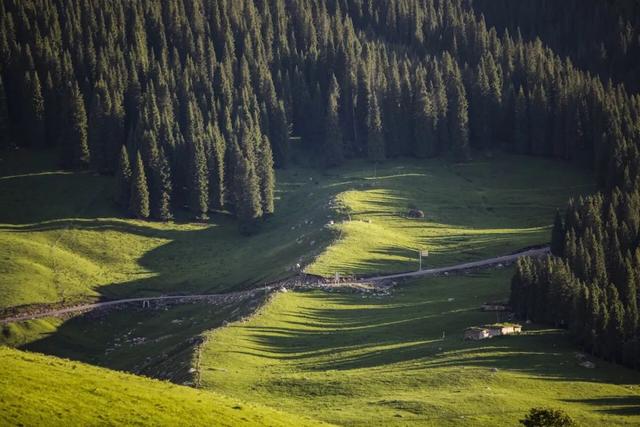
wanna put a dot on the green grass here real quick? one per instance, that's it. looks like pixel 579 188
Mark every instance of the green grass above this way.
pixel 62 240
pixel 355 360
pixel 472 211
pixel 44 390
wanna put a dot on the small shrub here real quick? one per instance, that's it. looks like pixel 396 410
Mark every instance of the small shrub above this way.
pixel 545 417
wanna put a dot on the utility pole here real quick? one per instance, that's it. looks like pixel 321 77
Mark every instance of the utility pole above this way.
pixel 422 253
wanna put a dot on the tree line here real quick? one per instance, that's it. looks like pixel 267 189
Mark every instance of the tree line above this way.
pixel 600 36
pixel 590 283
pixel 192 103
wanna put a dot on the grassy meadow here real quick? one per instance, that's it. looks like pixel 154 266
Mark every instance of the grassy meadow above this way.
pixel 340 358
pixel 472 211
pixel 401 360
pixel 64 241
pixel 41 390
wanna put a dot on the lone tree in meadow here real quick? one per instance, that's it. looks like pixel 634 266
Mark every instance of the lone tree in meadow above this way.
pixel 139 202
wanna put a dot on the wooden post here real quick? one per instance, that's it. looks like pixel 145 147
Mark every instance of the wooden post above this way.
pixel 422 253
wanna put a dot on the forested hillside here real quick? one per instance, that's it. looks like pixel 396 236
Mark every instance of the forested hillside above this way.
pixel 191 103
pixel 600 36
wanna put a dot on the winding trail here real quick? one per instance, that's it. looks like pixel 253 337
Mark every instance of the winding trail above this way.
pixel 298 283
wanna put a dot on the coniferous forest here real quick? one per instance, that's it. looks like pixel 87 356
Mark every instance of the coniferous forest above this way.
pixel 192 103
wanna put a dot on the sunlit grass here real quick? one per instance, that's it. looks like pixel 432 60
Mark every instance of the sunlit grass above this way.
pixel 359 360
pixel 41 390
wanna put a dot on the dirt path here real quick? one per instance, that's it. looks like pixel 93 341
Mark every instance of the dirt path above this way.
pixel 466 266
pixel 299 283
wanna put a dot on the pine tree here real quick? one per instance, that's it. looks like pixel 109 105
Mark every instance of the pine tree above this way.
pixel 460 124
pixel 139 200
pixel 216 167
pixel 198 174
pixel 246 192
pixel 267 176
pixel 161 203
pixel 333 143
pixel 77 129
pixel 97 126
pixel 123 179
pixel 375 136
pixel 34 124
pixel 480 109
pixel 425 124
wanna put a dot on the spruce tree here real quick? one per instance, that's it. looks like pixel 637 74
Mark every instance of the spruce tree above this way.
pixel 246 192
pixel 216 168
pixel 333 143
pixel 460 124
pixel 77 128
pixel 161 206
pixel 375 136
pixel 425 124
pixel 34 123
pixel 267 176
pixel 139 200
pixel 123 179
pixel 198 174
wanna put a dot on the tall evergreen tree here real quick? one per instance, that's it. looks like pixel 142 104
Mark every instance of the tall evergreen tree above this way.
pixel 375 135
pixel 161 202
pixel 333 143
pixel 139 200
pixel 123 179
pixel 460 124
pixel 267 177
pixel 425 124
pixel 246 192
pixel 77 130
pixel 198 181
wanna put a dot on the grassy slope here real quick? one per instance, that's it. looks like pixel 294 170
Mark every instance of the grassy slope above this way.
pixel 159 342
pixel 43 390
pixel 64 240
pixel 354 360
pixel 473 211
